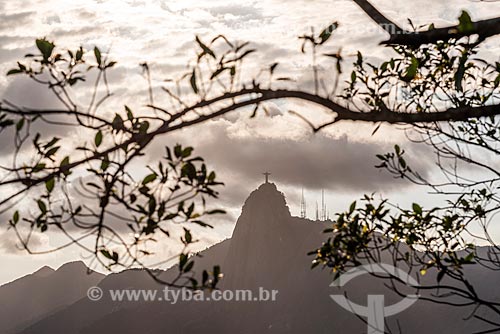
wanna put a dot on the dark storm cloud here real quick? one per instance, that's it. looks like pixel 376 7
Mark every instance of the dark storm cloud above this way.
pixel 321 162
pixel 341 164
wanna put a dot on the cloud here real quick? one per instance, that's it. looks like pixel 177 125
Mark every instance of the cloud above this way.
pixel 243 12
pixel 10 244
pixel 340 164
pixel 320 162
pixel 24 92
pixel 15 19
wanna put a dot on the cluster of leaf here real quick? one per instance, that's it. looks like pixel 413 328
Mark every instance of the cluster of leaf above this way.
pixel 412 238
pixel 213 70
pixel 426 79
pixel 58 69
pixel 429 78
pixel 95 189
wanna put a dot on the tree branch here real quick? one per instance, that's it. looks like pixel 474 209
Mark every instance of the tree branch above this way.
pixel 342 114
pixel 378 17
pixel 485 28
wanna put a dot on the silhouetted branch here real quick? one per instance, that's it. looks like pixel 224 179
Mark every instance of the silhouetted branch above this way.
pixel 484 29
pixel 378 17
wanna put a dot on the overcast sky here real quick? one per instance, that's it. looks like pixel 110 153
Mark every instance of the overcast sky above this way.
pixel 162 33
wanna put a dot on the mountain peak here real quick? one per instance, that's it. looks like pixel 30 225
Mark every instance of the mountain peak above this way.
pixel 266 197
pixel 44 271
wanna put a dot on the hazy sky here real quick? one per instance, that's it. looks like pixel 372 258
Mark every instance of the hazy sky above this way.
pixel 162 33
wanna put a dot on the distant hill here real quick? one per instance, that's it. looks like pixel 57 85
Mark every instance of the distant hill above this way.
pixel 268 249
pixel 34 297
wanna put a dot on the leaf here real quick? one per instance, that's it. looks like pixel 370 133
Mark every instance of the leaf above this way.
pixel 465 23
pixel 187 152
pixel 111 64
pixel 14 71
pixel 189 170
pixel 188 266
pixel 52 151
pixel 459 75
pixel 217 273
pixel 188 238
pixel 192 80
pixel 204 276
pixel 20 124
pixel 352 207
pixel 143 128
pixel 106 254
pixel 412 70
pixel 79 54
pixel 64 163
pixel 130 115
pixel 39 167
pixel 105 163
pixel 45 48
pixel 273 67
pixel 417 208
pixel 133 198
pixel 327 32
pixel 52 142
pixel 182 260
pixel 98 138
pixel 15 217
pixel 49 184
pixel 178 151
pixel 152 205
pixel 150 178
pixel 117 122
pixel 6 123
pixel 216 211
pixel 97 54
pixel 201 223
pixel 42 206
pixel 469 258
pixel 359 60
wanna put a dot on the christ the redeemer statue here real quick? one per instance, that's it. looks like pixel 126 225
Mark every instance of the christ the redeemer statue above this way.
pixel 267 176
